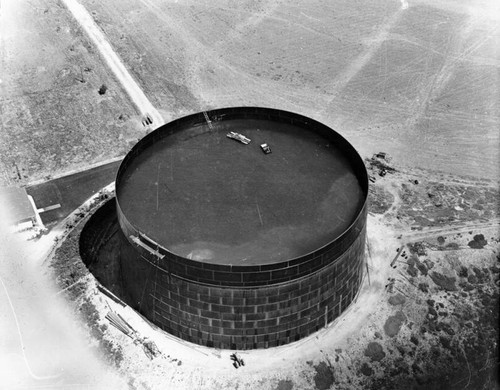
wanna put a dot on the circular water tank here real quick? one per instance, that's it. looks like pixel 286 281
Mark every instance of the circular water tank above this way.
pixel 242 227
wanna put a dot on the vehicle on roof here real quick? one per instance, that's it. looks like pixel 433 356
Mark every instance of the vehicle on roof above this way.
pixel 265 148
pixel 238 137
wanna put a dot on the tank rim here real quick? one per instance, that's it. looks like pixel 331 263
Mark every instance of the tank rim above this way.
pixel 250 112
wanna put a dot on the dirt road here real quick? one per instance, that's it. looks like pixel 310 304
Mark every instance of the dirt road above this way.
pixel 114 62
pixel 448 230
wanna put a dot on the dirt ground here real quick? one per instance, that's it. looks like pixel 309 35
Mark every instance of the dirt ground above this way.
pixel 389 75
pixel 53 118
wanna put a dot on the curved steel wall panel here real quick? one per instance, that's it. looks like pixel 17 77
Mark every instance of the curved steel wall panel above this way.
pixel 243 306
pixel 244 317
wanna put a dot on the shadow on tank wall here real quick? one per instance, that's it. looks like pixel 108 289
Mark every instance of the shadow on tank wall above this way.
pixel 222 317
pixel 100 248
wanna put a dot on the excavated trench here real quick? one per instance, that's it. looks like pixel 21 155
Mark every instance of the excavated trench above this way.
pixel 100 248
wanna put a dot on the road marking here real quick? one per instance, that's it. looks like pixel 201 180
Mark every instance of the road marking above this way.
pixel 136 94
pixel 48 208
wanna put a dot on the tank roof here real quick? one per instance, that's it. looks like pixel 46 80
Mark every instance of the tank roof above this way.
pixel 205 187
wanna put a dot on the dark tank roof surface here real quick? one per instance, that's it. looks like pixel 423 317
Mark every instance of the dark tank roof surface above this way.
pixel 209 198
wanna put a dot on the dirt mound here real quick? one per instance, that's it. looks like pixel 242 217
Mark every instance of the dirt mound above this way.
pixel 397 299
pixel 366 369
pixel 393 324
pixel 380 200
pixel 375 352
pixel 324 376
pixel 285 385
pixel 479 242
pixel 445 282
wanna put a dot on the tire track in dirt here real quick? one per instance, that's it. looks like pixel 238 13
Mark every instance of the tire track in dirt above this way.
pixel 445 73
pixel 199 55
pixel 202 58
pixel 209 73
pixel 341 81
pixel 136 94
pixel 253 21
pixel 424 106
pixel 193 46
pixel 447 230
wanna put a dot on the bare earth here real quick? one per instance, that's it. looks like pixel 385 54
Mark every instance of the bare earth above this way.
pixel 418 79
pixel 420 82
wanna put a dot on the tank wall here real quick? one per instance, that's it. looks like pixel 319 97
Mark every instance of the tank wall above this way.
pixel 245 276
pixel 92 237
pixel 244 318
pixel 242 307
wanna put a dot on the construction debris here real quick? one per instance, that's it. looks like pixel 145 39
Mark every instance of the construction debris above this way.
pixel 119 323
pixel 396 257
pixel 390 285
pixel 379 163
pixel 238 137
pixel 237 360
pixel 149 347
pixel 109 294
